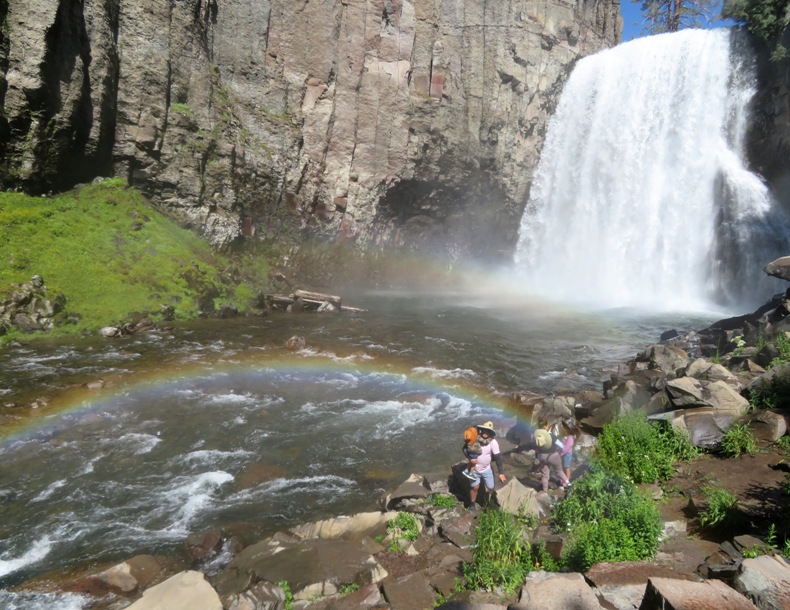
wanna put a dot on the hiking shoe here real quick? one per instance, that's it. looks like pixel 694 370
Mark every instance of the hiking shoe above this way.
pixel 472 508
pixel 468 474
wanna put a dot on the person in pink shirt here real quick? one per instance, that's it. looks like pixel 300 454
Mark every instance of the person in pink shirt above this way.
pixel 568 439
pixel 483 471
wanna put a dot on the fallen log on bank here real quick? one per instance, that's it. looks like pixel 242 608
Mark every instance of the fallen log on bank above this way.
pixel 306 300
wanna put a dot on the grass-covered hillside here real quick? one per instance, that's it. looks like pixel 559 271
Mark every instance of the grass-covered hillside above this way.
pixel 111 254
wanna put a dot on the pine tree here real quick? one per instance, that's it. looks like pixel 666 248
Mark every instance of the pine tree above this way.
pixel 673 15
pixel 766 19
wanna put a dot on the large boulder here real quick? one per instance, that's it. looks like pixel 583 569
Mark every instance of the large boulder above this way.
pixel 666 358
pixel 622 584
pixel 766 581
pixel 413 488
pixel 412 592
pixel 184 590
pixel 687 392
pixel 354 527
pixel 515 498
pixel 779 268
pixel 553 590
pixel 767 426
pixel 674 594
pixel 311 567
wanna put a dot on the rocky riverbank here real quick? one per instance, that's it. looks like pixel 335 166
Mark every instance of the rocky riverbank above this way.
pixel 699 381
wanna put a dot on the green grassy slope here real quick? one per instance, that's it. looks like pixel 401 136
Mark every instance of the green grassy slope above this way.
pixel 110 253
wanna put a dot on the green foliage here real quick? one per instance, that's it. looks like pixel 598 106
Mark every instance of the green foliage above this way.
pixel 609 520
pixel 737 440
pixel 762 341
pixel 786 485
pixel 760 398
pixel 348 588
pixel 289 596
pixel 764 18
pixel 543 559
pixel 721 510
pixel 405 526
pixel 181 109
pixel 641 451
pixel 605 540
pixel 111 253
pixel 501 556
pixel 673 15
pixel 443 500
pixel 784 443
pixel 782 345
pixel 394 546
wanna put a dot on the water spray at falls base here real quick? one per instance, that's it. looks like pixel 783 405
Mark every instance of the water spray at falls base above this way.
pixel 641 197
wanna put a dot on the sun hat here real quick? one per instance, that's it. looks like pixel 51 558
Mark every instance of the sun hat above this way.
pixel 542 438
pixel 487 427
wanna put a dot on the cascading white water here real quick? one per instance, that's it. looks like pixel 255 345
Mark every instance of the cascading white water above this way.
pixel 641 197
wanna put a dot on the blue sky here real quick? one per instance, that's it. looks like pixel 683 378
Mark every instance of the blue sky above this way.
pixel 632 20
pixel 631 13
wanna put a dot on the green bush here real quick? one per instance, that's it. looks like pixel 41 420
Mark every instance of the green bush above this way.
pixel 764 18
pixel 501 556
pixel 404 526
pixel 737 440
pixel 443 500
pixel 608 518
pixel 784 443
pixel 605 540
pixel 721 510
pixel 640 450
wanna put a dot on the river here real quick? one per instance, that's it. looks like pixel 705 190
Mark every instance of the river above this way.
pixel 216 424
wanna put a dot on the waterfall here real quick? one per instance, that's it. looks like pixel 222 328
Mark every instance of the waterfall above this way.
pixel 641 197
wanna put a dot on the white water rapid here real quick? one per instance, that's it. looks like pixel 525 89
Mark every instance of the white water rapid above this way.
pixel 641 197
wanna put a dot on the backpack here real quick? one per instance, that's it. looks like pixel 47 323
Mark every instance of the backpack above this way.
pixel 543 439
pixel 470 436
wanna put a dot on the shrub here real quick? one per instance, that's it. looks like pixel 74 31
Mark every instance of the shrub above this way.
pixel 443 501
pixel 782 345
pixel 404 526
pixel 605 540
pixel 764 18
pixel 348 588
pixel 721 509
pixel 737 440
pixel 640 450
pixel 608 518
pixel 501 556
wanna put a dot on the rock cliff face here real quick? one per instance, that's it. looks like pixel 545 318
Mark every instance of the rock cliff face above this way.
pixel 403 122
pixel 769 146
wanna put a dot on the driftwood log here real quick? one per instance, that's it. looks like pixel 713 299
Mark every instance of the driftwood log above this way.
pixel 306 300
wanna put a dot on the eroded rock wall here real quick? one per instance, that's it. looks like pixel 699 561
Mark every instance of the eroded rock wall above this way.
pixel 405 122
pixel 769 145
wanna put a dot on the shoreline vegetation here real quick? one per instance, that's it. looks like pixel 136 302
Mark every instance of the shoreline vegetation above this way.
pixel 111 257
pixel 108 252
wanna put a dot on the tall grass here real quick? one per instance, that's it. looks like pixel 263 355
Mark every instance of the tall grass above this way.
pixel 609 520
pixel 501 557
pixel 642 451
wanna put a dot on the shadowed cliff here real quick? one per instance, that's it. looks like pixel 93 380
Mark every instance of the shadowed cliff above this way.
pixel 405 123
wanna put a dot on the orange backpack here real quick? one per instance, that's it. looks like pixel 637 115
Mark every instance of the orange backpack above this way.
pixel 470 435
